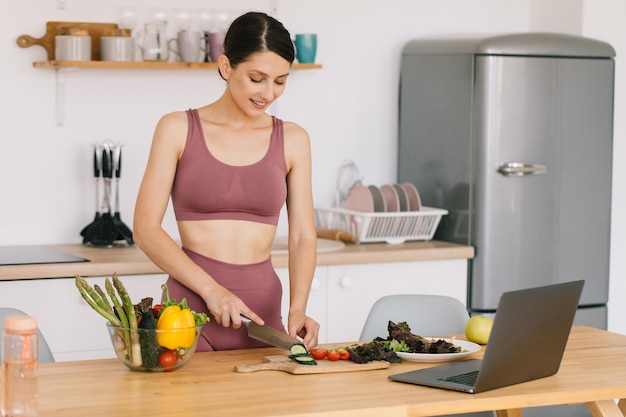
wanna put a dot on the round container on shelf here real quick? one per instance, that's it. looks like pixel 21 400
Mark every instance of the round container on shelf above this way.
pixel 72 48
pixel 117 48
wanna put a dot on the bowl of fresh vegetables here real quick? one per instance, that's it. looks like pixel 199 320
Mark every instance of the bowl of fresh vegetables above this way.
pixel 145 337
pixel 154 350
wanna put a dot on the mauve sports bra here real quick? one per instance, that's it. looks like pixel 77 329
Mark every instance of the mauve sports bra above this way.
pixel 206 189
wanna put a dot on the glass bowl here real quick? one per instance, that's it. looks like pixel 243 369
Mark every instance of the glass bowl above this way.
pixel 150 356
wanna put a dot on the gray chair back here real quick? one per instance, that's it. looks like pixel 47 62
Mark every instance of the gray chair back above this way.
pixel 426 315
pixel 45 354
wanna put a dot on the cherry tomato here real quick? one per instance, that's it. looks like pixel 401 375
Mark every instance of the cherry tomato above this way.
pixel 168 358
pixel 156 310
pixel 344 355
pixel 333 355
pixel 319 353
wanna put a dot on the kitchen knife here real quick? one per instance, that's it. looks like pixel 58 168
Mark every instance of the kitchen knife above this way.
pixel 269 335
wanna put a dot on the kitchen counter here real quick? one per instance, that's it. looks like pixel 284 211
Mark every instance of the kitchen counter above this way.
pixel 354 276
pixel 592 372
pixel 132 261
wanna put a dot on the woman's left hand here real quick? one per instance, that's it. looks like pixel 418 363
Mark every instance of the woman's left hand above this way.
pixel 305 327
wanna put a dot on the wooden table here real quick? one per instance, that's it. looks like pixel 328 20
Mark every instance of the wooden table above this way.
pixel 593 372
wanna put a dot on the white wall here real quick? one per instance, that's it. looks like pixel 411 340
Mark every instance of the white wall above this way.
pixel 349 107
pixel 606 20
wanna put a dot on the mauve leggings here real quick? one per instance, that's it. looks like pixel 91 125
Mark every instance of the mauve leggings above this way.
pixel 256 284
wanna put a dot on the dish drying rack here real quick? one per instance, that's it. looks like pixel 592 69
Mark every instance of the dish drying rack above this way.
pixel 390 227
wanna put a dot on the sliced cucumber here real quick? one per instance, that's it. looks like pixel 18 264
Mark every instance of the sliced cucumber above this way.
pixel 298 349
pixel 301 355
pixel 305 359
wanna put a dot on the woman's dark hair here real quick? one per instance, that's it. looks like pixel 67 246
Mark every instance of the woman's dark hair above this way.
pixel 255 32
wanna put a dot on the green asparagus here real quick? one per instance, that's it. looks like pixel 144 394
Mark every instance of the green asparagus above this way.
pixel 92 298
pixel 129 308
pixel 120 314
pixel 119 310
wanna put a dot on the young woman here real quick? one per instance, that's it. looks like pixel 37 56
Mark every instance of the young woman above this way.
pixel 229 167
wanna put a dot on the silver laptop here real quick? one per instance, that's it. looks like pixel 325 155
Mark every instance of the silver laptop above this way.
pixel 527 341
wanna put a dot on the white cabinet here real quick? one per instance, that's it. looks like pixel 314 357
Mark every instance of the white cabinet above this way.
pixel 316 307
pixel 353 289
pixel 340 299
pixel 342 295
pixel 71 327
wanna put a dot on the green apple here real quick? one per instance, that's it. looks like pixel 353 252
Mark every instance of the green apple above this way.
pixel 478 329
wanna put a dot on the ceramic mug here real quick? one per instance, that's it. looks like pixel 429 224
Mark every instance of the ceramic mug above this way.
pixel 117 48
pixel 72 48
pixel 306 47
pixel 216 45
pixel 189 45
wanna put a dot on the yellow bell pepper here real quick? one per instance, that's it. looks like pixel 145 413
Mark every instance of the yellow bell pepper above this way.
pixel 180 323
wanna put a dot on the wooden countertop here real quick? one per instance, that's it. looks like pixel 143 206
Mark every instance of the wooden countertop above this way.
pixel 132 261
pixel 592 372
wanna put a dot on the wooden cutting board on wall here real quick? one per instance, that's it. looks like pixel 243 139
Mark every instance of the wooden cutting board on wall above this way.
pixel 324 366
pixel 95 30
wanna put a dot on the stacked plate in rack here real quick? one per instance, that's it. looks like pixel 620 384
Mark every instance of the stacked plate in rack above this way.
pixel 387 198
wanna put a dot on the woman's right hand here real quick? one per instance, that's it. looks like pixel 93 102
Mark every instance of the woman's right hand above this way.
pixel 227 309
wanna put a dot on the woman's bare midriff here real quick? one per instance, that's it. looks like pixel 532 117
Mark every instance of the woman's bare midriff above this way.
pixel 232 241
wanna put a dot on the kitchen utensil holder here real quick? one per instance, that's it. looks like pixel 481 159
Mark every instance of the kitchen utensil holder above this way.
pixel 107 229
pixel 396 227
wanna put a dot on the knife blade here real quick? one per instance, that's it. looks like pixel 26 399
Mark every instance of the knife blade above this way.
pixel 269 335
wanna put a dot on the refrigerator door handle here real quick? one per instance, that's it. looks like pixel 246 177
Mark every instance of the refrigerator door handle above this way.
pixel 520 169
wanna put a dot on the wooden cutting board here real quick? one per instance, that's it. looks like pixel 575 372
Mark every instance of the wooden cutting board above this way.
pixel 324 366
pixel 95 30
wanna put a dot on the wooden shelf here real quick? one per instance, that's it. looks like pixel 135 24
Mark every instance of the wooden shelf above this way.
pixel 62 67
pixel 144 65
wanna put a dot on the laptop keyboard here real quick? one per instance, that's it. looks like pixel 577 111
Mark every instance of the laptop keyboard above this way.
pixel 468 379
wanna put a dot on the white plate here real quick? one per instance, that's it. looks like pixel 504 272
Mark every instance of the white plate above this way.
pixel 467 348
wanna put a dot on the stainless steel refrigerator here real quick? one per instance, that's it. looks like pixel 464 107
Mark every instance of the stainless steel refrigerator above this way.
pixel 513 135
